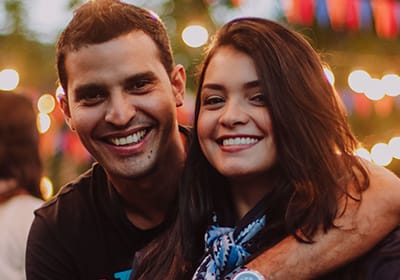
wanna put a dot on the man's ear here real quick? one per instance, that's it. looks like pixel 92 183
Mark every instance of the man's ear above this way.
pixel 63 100
pixel 178 81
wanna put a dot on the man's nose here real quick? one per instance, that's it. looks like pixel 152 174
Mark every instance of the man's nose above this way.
pixel 120 109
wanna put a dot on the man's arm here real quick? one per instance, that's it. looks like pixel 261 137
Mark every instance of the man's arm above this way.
pixel 359 229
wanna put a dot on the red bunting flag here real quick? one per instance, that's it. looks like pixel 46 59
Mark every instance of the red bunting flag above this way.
pixel 337 13
pixel 385 17
pixel 352 14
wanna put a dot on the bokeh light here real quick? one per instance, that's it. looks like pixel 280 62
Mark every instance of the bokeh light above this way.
pixel 46 188
pixel 374 89
pixel 363 153
pixel 381 154
pixel 391 84
pixel 43 122
pixel 394 146
pixel 46 103
pixel 195 36
pixel 9 79
pixel 358 79
pixel 329 75
pixel 59 93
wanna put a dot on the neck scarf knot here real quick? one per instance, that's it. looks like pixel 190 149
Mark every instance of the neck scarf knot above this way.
pixel 226 249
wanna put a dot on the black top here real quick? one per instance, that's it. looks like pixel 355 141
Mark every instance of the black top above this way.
pixel 382 262
pixel 84 233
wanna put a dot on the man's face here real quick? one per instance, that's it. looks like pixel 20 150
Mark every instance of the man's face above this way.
pixel 122 104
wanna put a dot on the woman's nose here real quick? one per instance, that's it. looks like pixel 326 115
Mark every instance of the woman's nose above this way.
pixel 234 113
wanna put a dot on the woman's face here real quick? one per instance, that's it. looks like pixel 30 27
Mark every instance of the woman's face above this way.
pixel 234 125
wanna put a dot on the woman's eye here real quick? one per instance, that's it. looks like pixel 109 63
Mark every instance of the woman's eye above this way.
pixel 212 100
pixel 258 99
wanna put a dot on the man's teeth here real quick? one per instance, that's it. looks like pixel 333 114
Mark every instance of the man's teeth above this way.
pixel 239 141
pixel 131 139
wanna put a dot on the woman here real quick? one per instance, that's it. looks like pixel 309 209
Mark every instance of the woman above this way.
pixel 272 156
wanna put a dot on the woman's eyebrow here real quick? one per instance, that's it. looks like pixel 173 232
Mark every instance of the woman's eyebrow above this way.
pixel 251 84
pixel 213 86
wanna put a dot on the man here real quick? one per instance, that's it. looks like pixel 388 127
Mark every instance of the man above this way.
pixel 121 93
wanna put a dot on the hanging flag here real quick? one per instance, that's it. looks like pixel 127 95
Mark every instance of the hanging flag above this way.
pixel 321 13
pixel 352 14
pixel 385 18
pixel 365 15
pixel 289 8
pixel 307 12
pixel 337 13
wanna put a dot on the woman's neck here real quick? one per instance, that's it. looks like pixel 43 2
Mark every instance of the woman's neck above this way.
pixel 247 192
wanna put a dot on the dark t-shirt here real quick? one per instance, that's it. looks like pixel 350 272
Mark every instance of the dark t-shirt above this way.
pixel 83 233
pixel 381 262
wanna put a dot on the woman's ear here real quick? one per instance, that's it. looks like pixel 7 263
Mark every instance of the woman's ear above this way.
pixel 178 81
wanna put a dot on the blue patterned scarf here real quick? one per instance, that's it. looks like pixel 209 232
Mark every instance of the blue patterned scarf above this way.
pixel 226 249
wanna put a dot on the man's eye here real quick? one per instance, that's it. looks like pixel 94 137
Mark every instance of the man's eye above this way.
pixel 139 86
pixel 91 98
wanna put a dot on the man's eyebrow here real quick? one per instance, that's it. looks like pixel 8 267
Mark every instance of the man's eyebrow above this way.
pixel 147 76
pixel 82 90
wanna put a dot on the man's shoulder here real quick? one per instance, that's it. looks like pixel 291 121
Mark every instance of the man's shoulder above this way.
pixel 72 195
pixel 389 247
pixel 383 262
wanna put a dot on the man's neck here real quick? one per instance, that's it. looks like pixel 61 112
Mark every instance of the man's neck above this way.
pixel 147 199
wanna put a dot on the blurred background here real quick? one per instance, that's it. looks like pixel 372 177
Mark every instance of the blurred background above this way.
pixel 358 40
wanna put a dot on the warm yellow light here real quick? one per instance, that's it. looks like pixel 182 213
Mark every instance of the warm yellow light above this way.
pixel 374 89
pixel 394 146
pixel 59 92
pixel 43 122
pixel 46 188
pixel 329 75
pixel 46 103
pixel 195 36
pixel 381 155
pixel 363 153
pixel 9 79
pixel 357 80
pixel 391 84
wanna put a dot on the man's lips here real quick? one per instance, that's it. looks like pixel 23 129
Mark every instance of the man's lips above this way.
pixel 129 139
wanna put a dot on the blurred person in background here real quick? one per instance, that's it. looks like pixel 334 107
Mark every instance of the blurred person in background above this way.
pixel 20 174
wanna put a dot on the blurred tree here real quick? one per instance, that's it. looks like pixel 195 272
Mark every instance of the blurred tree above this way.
pixel 33 60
